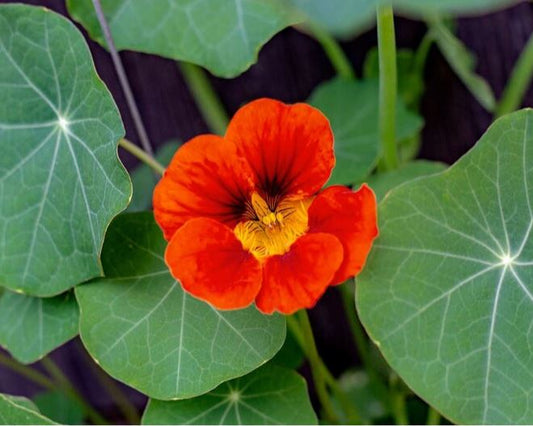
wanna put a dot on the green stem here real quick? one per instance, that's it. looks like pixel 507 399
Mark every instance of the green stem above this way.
pixel 142 155
pixel 398 403
pixel 387 87
pixel 333 51
pixel 433 417
pixel 69 390
pixel 28 372
pixel 518 82
pixel 317 369
pixel 422 52
pixel 206 98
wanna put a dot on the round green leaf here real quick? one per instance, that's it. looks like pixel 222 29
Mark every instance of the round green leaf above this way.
pixel 270 395
pixel 31 327
pixel 382 183
pixel 346 18
pixel 223 36
pixel 57 406
pixel 16 410
pixel 61 182
pixel 144 330
pixel 352 109
pixel 447 294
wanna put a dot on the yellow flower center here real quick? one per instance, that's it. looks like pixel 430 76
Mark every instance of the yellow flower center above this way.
pixel 273 232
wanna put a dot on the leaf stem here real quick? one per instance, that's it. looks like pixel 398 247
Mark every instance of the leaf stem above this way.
pixel 387 87
pixel 433 416
pixel 398 404
pixel 206 98
pixel 28 372
pixel 301 327
pixel 333 51
pixel 518 82
pixel 142 155
pixel 123 78
pixel 69 390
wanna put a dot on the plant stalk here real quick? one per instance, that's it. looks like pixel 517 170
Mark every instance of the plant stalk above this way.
pixel 387 87
pixel 28 372
pixel 123 78
pixel 333 51
pixel 433 417
pixel 142 155
pixel 518 82
pixel 206 98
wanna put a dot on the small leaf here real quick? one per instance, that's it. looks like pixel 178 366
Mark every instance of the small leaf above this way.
pixel 223 36
pixel 463 63
pixel 144 179
pixel 60 408
pixel 144 330
pixel 31 327
pixel 382 183
pixel 61 182
pixel 447 291
pixel 270 395
pixel 352 109
pixel 16 410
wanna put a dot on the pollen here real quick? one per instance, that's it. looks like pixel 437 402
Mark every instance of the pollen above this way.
pixel 272 232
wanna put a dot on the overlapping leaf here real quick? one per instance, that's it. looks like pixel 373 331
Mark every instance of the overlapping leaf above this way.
pixel 352 109
pixel 270 395
pixel 31 327
pixel 223 36
pixel 144 330
pixel 447 292
pixel 15 410
pixel 60 179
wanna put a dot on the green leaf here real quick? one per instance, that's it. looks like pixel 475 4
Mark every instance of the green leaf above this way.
pixel 16 410
pixel 223 36
pixel 60 408
pixel 144 330
pixel 61 182
pixel 463 63
pixel 382 183
pixel 346 18
pixel 31 327
pixel 144 179
pixel 270 395
pixel 290 355
pixel 352 109
pixel 446 293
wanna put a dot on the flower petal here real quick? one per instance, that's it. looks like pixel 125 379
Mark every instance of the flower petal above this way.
pixel 209 261
pixel 352 218
pixel 206 178
pixel 289 147
pixel 298 278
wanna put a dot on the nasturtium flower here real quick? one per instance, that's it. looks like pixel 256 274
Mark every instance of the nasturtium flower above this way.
pixel 245 218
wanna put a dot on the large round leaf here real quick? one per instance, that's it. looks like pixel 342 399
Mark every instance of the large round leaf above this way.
pixel 270 395
pixel 223 36
pixel 447 292
pixel 143 329
pixel 345 18
pixel 15 410
pixel 61 181
pixel 352 109
pixel 31 327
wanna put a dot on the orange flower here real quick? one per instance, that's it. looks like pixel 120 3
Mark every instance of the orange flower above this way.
pixel 245 219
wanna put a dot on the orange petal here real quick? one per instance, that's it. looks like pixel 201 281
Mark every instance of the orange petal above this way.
pixel 352 218
pixel 210 263
pixel 289 147
pixel 298 278
pixel 206 178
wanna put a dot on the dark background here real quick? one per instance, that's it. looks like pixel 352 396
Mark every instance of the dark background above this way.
pixel 289 67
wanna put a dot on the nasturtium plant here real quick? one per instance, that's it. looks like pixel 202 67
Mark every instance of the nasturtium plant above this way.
pixel 61 182
pixel 269 395
pixel 146 331
pixel 446 294
pixel 223 36
pixel 60 408
pixel 352 108
pixel 31 327
pixel 16 410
